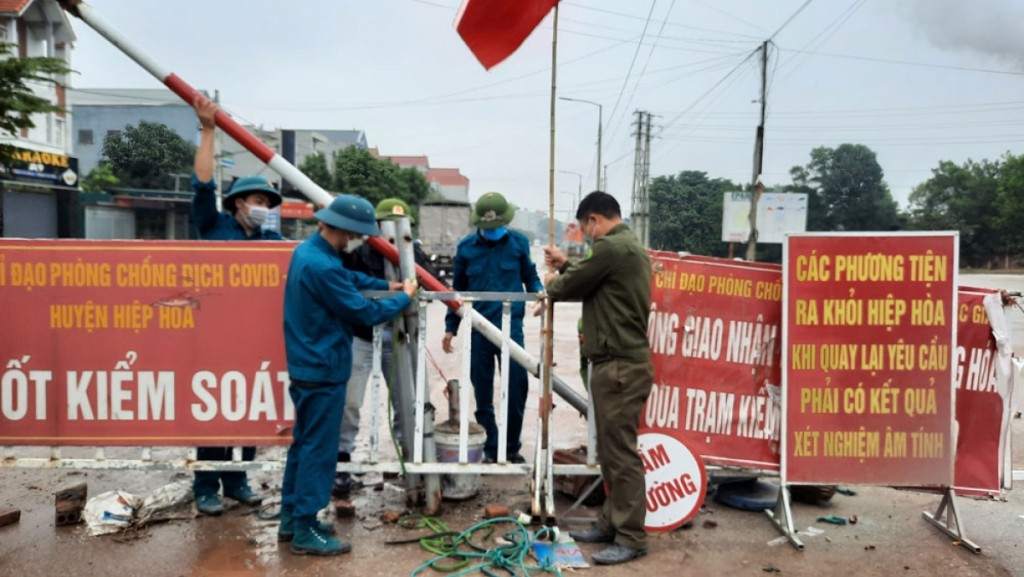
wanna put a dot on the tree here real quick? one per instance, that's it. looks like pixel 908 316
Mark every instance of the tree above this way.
pixel 147 155
pixel 315 167
pixel 99 179
pixel 356 171
pixel 848 190
pixel 17 100
pixel 962 198
pixel 1010 204
pixel 689 213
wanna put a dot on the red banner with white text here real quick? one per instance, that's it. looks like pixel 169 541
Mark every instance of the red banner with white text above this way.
pixel 143 343
pixel 715 344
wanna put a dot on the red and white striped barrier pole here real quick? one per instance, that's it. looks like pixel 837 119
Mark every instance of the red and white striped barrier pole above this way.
pixel 303 183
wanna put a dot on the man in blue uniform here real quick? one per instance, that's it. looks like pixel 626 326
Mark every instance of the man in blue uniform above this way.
pixel 246 205
pixel 369 262
pixel 321 304
pixel 494 259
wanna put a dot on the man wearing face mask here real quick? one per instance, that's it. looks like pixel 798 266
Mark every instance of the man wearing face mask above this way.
pixel 369 262
pixel 494 259
pixel 246 206
pixel 614 283
pixel 322 302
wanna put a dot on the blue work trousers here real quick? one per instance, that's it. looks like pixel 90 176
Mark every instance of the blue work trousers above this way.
pixel 313 454
pixel 483 360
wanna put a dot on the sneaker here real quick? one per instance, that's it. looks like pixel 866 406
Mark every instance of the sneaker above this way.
pixel 286 529
pixel 592 535
pixel 209 505
pixel 615 554
pixel 312 541
pixel 244 495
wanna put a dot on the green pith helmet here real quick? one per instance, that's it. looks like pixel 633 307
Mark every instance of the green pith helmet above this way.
pixel 250 184
pixel 351 213
pixel 391 208
pixel 492 211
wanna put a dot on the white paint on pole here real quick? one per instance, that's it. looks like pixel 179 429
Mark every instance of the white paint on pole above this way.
pixel 115 37
pixel 675 481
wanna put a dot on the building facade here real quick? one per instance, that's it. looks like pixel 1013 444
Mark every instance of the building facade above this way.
pixel 39 192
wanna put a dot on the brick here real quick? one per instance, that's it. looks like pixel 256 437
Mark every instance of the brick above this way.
pixel 493 510
pixel 9 516
pixel 344 508
pixel 69 504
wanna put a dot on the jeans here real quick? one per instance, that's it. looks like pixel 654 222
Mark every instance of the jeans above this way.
pixel 362 366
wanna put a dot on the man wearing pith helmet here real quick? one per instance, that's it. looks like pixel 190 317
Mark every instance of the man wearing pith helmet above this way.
pixel 322 302
pixel 246 206
pixel 370 262
pixel 494 259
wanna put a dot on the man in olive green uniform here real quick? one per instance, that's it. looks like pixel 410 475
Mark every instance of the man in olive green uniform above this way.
pixel 614 283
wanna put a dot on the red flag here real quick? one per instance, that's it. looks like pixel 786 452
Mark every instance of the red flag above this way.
pixel 494 29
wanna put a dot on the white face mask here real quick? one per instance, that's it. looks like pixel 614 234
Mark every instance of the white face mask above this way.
pixel 353 244
pixel 257 215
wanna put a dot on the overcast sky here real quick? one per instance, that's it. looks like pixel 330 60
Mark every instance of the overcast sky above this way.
pixel 918 81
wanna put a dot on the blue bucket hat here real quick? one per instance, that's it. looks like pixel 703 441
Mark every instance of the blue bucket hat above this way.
pixel 351 213
pixel 249 184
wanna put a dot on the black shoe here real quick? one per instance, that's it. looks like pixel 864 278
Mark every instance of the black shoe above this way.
pixel 615 554
pixel 516 458
pixel 244 495
pixel 343 486
pixel 592 535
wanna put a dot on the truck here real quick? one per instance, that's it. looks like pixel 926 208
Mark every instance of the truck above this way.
pixel 442 224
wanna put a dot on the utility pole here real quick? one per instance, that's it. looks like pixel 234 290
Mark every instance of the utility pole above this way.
pixel 636 209
pixel 646 240
pixel 641 205
pixel 757 187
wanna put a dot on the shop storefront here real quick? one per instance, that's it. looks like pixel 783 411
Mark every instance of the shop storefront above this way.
pixel 39 195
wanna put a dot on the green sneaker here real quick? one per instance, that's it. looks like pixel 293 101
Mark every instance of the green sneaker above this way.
pixel 286 530
pixel 312 541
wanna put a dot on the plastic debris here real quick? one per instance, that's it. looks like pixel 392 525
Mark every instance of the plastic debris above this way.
pixel 833 519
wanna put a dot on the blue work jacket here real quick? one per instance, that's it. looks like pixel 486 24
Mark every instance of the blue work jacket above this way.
pixel 216 225
pixel 494 266
pixel 321 303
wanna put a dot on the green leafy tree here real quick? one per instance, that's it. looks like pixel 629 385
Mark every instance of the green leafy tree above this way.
pixel 315 167
pixel 849 192
pixel 17 100
pixel 146 156
pixel 961 198
pixel 100 179
pixel 688 209
pixel 1010 204
pixel 356 171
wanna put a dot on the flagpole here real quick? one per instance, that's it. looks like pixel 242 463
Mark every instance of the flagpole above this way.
pixel 549 308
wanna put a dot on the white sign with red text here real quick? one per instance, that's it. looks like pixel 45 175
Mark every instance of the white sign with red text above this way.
pixel 675 479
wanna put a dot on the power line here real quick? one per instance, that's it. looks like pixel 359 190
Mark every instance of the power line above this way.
pixel 828 31
pixel 630 72
pixel 635 17
pixel 788 20
pixel 907 62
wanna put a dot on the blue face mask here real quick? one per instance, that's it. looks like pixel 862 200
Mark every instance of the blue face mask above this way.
pixel 494 233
